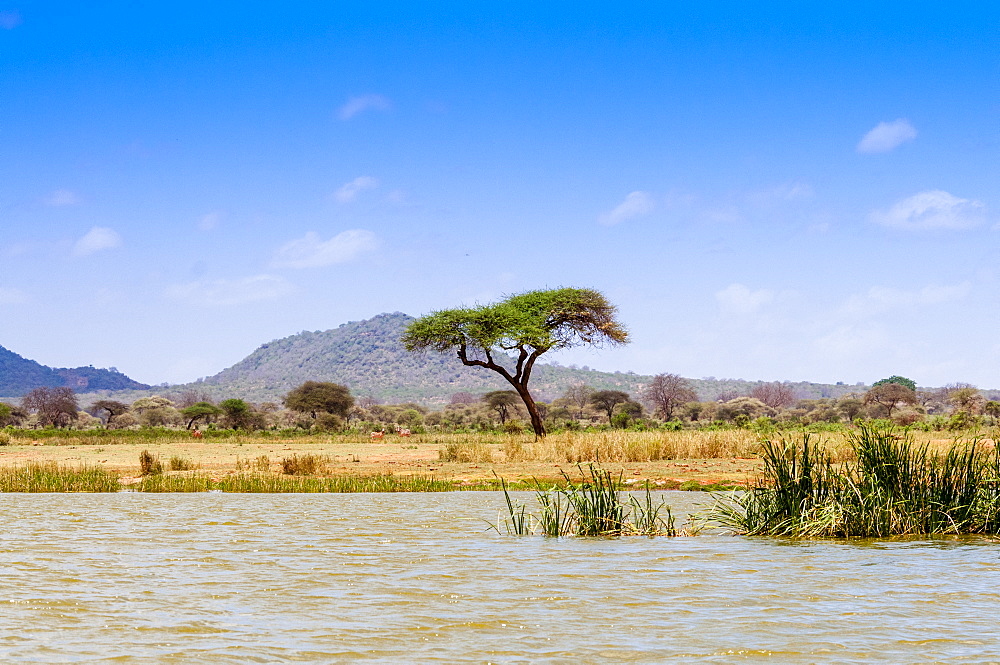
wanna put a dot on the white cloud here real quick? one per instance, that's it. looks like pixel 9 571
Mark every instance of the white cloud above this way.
pixel 9 296
pixel 62 197
pixel 362 103
pixel 349 191
pixel 880 298
pixel 10 19
pixel 230 291
pixel 886 136
pixel 97 239
pixel 210 221
pixel 933 209
pixel 636 204
pixel 312 252
pixel 738 299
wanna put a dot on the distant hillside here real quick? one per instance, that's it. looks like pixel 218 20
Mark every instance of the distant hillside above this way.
pixel 19 375
pixel 368 357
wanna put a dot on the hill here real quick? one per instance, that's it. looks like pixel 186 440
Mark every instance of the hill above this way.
pixel 19 375
pixel 368 358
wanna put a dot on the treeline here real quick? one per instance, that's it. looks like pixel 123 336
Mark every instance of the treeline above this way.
pixel 668 401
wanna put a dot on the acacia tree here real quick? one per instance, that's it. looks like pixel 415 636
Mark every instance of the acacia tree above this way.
pixel 526 325
pixel 774 394
pixel 607 400
pixel 666 392
pixel 890 395
pixel 501 401
pixel 579 396
pixel 199 411
pixel 315 397
pixel 113 407
pixel 54 406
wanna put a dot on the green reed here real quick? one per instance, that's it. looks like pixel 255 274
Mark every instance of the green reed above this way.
pixel 52 477
pixel 592 507
pixel 893 487
pixel 266 483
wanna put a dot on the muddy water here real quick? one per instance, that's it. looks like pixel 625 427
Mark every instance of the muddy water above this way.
pixel 132 578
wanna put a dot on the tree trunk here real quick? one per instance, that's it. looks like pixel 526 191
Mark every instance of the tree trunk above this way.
pixel 529 403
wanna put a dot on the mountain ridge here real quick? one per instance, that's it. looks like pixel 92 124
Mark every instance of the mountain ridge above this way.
pixel 20 375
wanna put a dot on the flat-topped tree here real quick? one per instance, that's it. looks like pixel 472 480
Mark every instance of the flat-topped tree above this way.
pixel 527 325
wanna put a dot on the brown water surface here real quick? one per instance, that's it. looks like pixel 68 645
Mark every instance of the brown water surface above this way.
pixel 225 578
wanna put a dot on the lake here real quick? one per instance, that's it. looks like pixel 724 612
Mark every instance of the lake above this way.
pixel 238 578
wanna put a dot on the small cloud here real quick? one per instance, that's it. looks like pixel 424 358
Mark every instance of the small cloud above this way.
pixel 738 299
pixel 934 209
pixel 9 296
pixel 62 197
pixel 349 191
pixel 312 252
pixel 880 299
pixel 887 136
pixel 10 19
pixel 97 239
pixel 210 221
pixel 356 105
pixel 230 291
pixel 636 204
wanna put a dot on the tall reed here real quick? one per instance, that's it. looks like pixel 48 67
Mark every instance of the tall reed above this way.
pixel 892 486
pixel 51 477
pixel 592 507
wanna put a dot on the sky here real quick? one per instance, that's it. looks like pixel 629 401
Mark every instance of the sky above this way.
pixel 767 191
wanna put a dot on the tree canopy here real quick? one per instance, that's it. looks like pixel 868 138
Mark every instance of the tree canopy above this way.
pixel 315 397
pixel 525 325
pixel 899 380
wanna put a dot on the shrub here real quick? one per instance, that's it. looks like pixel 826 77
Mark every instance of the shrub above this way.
pixel 178 463
pixel 149 464
pixel 513 426
pixel 303 465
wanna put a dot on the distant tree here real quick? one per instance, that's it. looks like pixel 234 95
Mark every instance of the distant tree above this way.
pixel 890 395
pixel 463 398
pixel 743 408
pixel 144 404
pixel 992 408
pixel 366 401
pixel 775 394
pixel 200 411
pixel 6 414
pixel 966 397
pixel 728 395
pixel 579 396
pixel 54 406
pixel 240 415
pixel 113 409
pixel 607 400
pixel 501 401
pixel 528 324
pixel 192 397
pixel 900 380
pixel 666 393
pixel 850 406
pixel 315 397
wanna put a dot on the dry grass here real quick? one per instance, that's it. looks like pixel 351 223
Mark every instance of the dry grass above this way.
pixel 621 446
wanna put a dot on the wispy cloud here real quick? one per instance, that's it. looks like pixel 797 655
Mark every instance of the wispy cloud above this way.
pixel 210 221
pixel 97 239
pixel 933 209
pixel 739 299
pixel 362 103
pixel 349 191
pixel 887 136
pixel 10 19
pixel 11 296
pixel 789 191
pixel 312 252
pixel 230 291
pixel 636 204
pixel 61 198
pixel 879 299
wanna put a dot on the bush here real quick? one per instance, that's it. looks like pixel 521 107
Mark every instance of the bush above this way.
pixel 513 426
pixel 329 422
pixel 149 464
pixel 178 463
pixel 303 465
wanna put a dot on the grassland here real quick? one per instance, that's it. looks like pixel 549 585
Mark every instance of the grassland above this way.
pixel 688 459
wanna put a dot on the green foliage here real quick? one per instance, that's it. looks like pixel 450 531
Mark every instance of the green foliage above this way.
pixel 315 397
pixel 899 380
pixel 149 464
pixel 200 411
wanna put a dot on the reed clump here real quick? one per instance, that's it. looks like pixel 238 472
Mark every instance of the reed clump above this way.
pixel 304 465
pixel 594 506
pixel 52 477
pixel 149 464
pixel 625 446
pixel 178 463
pixel 469 453
pixel 268 483
pixel 888 486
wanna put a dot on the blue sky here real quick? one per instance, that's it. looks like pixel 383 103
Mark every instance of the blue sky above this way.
pixel 767 191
